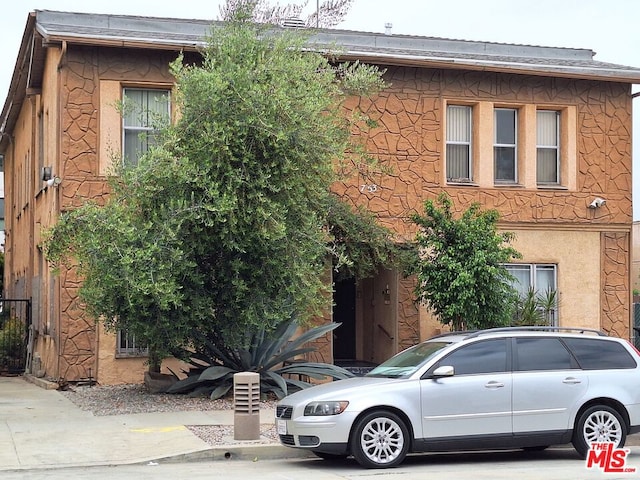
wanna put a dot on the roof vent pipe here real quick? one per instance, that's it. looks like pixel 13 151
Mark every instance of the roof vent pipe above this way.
pixel 387 28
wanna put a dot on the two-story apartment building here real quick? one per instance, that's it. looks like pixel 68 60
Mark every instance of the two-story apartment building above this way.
pixel 541 134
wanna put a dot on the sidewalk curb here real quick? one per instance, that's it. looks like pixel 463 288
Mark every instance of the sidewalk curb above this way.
pixel 237 452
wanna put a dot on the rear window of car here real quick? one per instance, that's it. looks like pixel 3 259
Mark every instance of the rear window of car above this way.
pixel 534 354
pixel 594 354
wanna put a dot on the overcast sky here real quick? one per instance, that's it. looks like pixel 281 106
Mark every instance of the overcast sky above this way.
pixel 611 28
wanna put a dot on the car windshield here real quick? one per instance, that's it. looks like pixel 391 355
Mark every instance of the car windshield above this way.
pixel 408 361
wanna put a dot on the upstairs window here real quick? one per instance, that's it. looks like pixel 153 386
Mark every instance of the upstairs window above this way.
pixel 505 145
pixel 548 147
pixel 143 111
pixel 459 143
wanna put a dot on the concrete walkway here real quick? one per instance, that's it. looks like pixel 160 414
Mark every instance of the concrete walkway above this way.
pixel 41 428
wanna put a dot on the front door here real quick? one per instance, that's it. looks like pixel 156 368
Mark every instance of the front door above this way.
pixel 367 311
pixel 344 312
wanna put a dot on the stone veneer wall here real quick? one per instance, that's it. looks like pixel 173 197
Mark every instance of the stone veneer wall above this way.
pixel 615 296
pixel 409 139
pixel 83 69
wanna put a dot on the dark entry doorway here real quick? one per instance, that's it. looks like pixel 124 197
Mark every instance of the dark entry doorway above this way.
pixel 344 312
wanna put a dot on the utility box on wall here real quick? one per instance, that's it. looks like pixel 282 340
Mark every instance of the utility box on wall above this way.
pixel 246 401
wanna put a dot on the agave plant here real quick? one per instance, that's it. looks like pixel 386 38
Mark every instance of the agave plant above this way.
pixel 271 355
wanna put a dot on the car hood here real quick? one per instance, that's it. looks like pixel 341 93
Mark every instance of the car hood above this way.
pixel 347 389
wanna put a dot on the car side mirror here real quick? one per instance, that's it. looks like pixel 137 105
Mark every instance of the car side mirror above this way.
pixel 443 371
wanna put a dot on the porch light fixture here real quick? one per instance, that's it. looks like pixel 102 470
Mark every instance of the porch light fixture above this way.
pixel 597 202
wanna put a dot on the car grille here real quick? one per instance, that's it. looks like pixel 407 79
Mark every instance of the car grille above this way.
pixel 284 412
pixel 287 440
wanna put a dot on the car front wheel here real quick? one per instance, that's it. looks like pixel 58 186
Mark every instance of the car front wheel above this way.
pixel 598 424
pixel 380 440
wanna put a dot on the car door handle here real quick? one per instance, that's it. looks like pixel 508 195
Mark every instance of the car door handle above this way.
pixel 572 381
pixel 494 385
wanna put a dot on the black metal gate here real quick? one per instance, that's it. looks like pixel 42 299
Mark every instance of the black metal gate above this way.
pixel 15 323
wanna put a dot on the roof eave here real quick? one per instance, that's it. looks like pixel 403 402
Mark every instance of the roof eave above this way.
pixel 578 73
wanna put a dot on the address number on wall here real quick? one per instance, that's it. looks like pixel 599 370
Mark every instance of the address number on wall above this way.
pixel 368 188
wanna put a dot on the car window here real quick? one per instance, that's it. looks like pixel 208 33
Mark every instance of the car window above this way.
pixel 542 354
pixel 408 361
pixel 487 356
pixel 593 354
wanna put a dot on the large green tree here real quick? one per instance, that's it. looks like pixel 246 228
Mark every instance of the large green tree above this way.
pixel 224 226
pixel 461 274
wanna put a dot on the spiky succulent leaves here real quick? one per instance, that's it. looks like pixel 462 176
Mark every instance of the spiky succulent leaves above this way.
pixel 276 341
pixel 315 370
pixel 269 354
pixel 221 390
pixel 280 389
pixel 288 350
pixel 184 385
pixel 214 373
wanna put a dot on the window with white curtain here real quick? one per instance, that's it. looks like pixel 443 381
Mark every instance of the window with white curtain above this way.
pixel 459 143
pixel 541 279
pixel 548 146
pixel 143 111
pixel 505 121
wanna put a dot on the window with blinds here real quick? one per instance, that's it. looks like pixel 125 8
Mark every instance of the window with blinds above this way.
pixel 458 148
pixel 548 147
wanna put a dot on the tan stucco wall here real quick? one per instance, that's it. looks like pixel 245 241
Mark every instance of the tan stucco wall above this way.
pixel 116 371
pixel 579 279
pixel 579 282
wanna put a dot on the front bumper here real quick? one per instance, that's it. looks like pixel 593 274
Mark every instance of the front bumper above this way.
pixel 329 434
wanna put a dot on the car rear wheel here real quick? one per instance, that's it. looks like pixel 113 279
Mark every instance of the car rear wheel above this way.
pixel 598 424
pixel 380 440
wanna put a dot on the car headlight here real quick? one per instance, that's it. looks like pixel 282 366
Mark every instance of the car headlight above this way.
pixel 324 408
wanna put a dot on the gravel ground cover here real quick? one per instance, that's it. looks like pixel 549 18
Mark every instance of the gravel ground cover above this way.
pixel 135 398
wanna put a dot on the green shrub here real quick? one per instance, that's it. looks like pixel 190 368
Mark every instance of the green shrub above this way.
pixel 12 338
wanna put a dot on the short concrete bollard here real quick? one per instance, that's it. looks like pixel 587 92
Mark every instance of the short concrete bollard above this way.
pixel 246 404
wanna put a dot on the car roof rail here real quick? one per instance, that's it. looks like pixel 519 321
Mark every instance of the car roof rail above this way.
pixel 453 333
pixel 538 328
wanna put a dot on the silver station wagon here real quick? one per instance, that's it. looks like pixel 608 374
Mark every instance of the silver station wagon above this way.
pixel 527 387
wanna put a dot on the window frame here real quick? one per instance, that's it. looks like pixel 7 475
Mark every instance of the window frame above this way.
pixel 499 145
pixel 147 127
pixel 549 147
pixel 534 268
pixel 126 346
pixel 449 142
